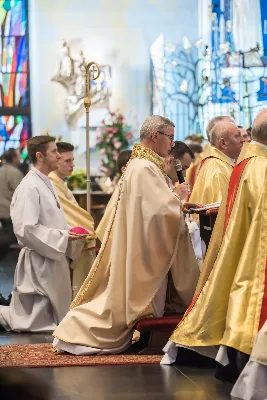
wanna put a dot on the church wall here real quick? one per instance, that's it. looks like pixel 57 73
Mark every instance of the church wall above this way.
pixel 114 32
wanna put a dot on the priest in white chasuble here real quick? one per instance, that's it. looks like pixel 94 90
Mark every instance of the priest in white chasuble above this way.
pixel 230 304
pixel 74 214
pixel 146 242
pixel 217 165
pixel 42 291
pixel 122 161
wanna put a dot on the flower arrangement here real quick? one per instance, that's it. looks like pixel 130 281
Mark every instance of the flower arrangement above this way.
pixel 112 138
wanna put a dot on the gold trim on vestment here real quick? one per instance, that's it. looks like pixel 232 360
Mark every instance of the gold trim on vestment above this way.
pixel 231 287
pixel 213 152
pixel 139 152
pixel 143 152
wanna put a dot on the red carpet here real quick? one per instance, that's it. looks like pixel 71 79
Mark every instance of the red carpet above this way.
pixel 42 355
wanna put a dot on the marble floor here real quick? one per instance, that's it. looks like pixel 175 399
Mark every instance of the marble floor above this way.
pixel 128 382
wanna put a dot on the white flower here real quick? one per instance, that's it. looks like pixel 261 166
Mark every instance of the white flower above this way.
pixel 225 47
pixel 103 151
pixel 184 86
pixel 170 47
pixel 198 43
pixel 186 43
pixel 117 145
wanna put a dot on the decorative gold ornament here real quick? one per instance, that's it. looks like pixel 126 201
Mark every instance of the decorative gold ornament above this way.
pixel 90 70
pixel 71 74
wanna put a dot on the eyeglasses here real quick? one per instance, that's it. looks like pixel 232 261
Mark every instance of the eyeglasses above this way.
pixel 165 134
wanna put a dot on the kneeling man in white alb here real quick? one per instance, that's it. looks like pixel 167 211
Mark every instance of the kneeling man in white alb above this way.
pixel 42 287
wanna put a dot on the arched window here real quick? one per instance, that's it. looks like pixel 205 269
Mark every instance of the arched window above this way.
pixel 15 112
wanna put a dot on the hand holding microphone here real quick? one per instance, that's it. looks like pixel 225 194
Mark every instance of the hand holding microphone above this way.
pixel 179 170
pixel 173 168
pixel 182 189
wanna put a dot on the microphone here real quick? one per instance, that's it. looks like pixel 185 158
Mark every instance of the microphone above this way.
pixel 179 171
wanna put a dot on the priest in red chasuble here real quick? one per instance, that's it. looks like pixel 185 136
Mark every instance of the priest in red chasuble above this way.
pixel 230 303
pixel 146 244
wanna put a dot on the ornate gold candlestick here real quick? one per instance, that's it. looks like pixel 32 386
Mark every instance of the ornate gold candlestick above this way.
pixel 89 74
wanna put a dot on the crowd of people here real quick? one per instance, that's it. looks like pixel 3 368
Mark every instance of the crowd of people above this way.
pixel 148 263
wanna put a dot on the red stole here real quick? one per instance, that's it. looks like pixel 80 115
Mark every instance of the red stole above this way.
pixel 232 191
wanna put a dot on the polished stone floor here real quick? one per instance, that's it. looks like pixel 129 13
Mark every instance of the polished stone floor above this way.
pixel 146 382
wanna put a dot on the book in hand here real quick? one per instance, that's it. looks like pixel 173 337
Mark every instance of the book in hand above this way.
pixel 207 207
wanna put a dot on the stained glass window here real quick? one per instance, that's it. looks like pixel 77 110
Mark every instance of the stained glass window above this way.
pixel 14 78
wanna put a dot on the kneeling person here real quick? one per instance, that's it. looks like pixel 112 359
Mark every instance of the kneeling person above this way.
pixel 74 214
pixel 147 241
pixel 42 289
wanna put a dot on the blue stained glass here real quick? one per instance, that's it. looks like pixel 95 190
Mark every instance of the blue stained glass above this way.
pixel 14 132
pixel 14 88
pixel 13 54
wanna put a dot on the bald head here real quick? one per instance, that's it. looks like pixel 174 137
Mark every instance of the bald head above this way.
pixel 227 138
pixel 259 128
pixel 221 130
pixel 214 121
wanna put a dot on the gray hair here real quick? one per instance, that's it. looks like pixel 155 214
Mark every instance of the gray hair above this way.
pixel 213 122
pixel 154 123
pixel 220 130
pixel 259 127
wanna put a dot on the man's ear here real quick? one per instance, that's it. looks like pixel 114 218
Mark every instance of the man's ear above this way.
pixel 39 156
pixel 154 136
pixel 223 143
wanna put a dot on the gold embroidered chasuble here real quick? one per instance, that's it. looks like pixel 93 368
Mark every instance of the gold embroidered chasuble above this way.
pixel 230 303
pixel 213 177
pixel 102 226
pixel 76 216
pixel 146 238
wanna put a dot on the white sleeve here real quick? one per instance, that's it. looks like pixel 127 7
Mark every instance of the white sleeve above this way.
pixel 24 211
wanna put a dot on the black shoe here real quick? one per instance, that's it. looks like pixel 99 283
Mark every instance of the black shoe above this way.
pixel 8 301
pixel 3 301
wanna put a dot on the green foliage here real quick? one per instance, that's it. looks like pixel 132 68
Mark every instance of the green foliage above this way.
pixel 77 181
